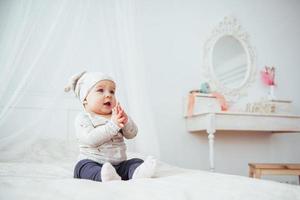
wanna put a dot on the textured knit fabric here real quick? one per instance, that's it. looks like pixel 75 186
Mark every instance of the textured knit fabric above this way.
pixel 89 169
pixel 101 140
pixel 83 82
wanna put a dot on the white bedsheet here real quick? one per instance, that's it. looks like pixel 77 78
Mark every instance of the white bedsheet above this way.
pixel 54 181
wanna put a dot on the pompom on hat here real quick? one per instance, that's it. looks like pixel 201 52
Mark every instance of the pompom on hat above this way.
pixel 83 82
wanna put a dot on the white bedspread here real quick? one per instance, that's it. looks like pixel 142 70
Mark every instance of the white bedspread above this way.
pixel 54 181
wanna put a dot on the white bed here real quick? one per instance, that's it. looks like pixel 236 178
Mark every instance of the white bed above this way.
pixel 54 181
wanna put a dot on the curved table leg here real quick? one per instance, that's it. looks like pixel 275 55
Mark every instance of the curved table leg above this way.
pixel 211 151
pixel 211 131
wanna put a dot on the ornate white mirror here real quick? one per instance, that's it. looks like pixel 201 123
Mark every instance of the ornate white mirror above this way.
pixel 229 59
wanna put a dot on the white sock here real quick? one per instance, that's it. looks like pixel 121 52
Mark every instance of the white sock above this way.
pixel 108 173
pixel 146 169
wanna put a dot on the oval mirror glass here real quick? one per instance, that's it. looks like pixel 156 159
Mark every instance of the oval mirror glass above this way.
pixel 229 62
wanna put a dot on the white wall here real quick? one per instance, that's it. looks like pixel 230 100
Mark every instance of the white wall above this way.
pixel 173 35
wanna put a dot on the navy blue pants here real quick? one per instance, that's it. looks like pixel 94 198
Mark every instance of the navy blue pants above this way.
pixel 89 169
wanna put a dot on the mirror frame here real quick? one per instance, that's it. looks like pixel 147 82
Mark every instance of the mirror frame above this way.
pixel 229 27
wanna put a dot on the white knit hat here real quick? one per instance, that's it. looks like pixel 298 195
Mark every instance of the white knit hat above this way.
pixel 83 82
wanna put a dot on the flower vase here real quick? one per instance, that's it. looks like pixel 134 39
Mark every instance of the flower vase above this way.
pixel 271 95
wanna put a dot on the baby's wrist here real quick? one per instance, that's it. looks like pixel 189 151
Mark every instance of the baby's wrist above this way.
pixel 114 126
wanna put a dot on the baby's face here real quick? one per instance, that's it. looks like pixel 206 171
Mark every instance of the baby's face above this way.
pixel 101 99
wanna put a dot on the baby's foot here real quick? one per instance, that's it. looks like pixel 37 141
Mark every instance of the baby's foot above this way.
pixel 108 173
pixel 146 169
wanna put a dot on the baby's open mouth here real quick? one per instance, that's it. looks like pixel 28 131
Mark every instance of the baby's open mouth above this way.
pixel 107 103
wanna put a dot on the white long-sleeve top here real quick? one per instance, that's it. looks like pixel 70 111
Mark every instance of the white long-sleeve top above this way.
pixel 101 140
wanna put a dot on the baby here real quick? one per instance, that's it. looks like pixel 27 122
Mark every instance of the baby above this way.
pixel 101 130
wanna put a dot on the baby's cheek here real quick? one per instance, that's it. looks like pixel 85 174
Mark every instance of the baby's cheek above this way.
pixel 113 104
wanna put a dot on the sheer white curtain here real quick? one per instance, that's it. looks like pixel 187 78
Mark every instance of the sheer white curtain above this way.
pixel 42 43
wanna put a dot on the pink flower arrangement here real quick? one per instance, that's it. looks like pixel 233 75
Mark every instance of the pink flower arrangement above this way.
pixel 268 75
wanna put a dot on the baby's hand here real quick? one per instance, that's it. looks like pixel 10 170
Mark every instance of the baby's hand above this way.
pixel 124 116
pixel 117 118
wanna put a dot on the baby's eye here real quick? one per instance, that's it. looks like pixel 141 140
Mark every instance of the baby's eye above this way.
pixel 112 92
pixel 100 90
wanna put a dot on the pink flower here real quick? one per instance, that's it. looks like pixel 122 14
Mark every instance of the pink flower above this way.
pixel 268 75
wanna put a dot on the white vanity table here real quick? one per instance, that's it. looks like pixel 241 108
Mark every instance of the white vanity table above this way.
pixel 230 68
pixel 212 122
